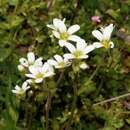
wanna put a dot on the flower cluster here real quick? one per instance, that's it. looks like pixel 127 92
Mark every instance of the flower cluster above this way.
pixel 36 71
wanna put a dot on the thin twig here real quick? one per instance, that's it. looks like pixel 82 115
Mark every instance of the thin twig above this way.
pixel 47 108
pixel 112 99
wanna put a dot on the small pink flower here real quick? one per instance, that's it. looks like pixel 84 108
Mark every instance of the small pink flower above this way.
pixel 96 19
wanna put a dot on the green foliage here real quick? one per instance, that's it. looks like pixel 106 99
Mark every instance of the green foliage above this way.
pixel 23 28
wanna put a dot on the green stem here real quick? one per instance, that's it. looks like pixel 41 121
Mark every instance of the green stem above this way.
pixel 73 108
pixel 47 108
pixel 48 103
pixel 60 78
pixel 75 91
pixel 112 99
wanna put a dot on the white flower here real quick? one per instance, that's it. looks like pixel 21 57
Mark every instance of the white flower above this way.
pixel 39 73
pixel 59 62
pixel 61 32
pixel 104 35
pixel 80 51
pixel 31 60
pixel 83 66
pixel 21 90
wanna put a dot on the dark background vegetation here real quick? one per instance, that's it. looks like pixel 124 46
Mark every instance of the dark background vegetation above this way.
pixel 23 28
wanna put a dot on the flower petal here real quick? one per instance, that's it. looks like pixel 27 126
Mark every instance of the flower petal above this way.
pixel 72 29
pixel 21 68
pixel 70 47
pixel 24 85
pixel 83 57
pixel 84 66
pixel 97 44
pixel 38 62
pixel 81 44
pixel 30 76
pixel 111 44
pixel 68 56
pixel 23 62
pixel 51 26
pixel 45 67
pixel 56 34
pixel 59 24
pixel 97 34
pixel 62 43
pixel 15 91
pixel 107 32
pixel 17 87
pixel 52 62
pixel 49 74
pixel 89 48
pixel 58 58
pixel 39 80
pixel 74 38
pixel 33 70
pixel 31 57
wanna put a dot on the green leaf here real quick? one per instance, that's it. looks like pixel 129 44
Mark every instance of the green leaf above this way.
pixel 4 53
pixel 13 2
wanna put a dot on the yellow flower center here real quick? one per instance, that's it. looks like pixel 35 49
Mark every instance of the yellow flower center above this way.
pixel 64 36
pixel 39 75
pixel 62 64
pixel 106 43
pixel 78 53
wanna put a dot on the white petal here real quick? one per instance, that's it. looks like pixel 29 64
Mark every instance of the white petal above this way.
pixel 68 56
pixel 23 62
pixel 74 38
pixel 58 58
pixel 97 44
pixel 31 57
pixel 52 62
pixel 51 26
pixel 27 88
pixel 15 91
pixel 17 87
pixel 56 34
pixel 29 81
pixel 39 80
pixel 38 62
pixel 21 68
pixel 59 24
pixel 70 47
pixel 62 43
pixel 107 31
pixel 97 34
pixel 48 74
pixel 33 69
pixel 72 29
pixel 24 85
pixel 30 76
pixel 83 57
pixel 89 48
pixel 45 67
pixel 81 44
pixel 111 44
pixel 84 66
pixel 56 22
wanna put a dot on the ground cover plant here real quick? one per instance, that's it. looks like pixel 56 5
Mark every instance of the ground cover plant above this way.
pixel 64 65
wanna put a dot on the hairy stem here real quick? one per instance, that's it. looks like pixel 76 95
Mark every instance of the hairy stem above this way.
pixel 60 78
pixel 73 108
pixel 75 91
pixel 47 108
